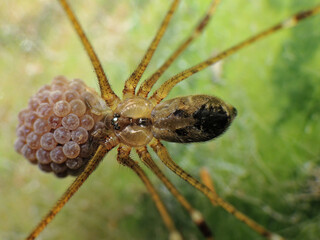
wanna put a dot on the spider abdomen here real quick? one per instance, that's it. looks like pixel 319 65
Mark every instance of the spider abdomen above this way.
pixel 194 118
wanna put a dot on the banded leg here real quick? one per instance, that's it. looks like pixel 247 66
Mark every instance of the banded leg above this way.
pixel 215 199
pixel 165 88
pixel 92 165
pixel 148 84
pixel 106 91
pixel 124 159
pixel 195 215
pixel 131 83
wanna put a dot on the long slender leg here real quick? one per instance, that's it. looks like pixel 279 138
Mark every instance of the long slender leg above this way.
pixel 124 159
pixel 93 163
pixel 106 92
pixel 215 199
pixel 195 215
pixel 131 83
pixel 165 88
pixel 148 84
pixel 206 179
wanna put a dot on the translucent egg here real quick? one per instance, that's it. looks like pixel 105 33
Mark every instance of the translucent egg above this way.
pixel 54 121
pixel 78 107
pixel 87 122
pixel 74 163
pixel 58 87
pixel 62 135
pixel 43 156
pixel 43 96
pixel 71 149
pixel 71 95
pixel 30 118
pixel 44 110
pixel 48 141
pixel 59 83
pixel 33 103
pixel 78 80
pixel 77 87
pixel 18 145
pixel 98 126
pixel 61 108
pixel 41 126
pixel 71 121
pixel 90 98
pixel 56 96
pixel 29 153
pixel 57 155
pixel 22 114
pixel 80 135
pixel 45 167
pixel 33 140
pixel 22 132
pixel 44 88
pixel 58 168
pixel 60 79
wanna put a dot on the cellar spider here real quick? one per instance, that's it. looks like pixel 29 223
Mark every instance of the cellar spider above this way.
pixel 153 144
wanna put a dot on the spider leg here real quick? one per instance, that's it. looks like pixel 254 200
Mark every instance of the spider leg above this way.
pixel 206 179
pixel 196 216
pixel 165 88
pixel 163 154
pixel 106 91
pixel 124 159
pixel 131 83
pixel 92 165
pixel 148 84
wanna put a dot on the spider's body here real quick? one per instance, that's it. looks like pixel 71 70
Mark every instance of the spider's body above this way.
pixel 197 118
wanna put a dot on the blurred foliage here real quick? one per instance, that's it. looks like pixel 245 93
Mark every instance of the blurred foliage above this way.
pixel 265 164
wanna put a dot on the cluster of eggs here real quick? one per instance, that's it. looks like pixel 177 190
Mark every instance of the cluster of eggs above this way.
pixel 55 129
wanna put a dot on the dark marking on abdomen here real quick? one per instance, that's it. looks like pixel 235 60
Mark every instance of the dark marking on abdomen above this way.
pixel 191 119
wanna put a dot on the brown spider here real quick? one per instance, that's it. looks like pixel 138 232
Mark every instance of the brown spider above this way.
pixel 137 121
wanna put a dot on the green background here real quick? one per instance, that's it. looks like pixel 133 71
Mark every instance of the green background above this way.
pixel 267 164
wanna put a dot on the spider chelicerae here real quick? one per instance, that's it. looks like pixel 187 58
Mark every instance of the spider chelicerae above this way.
pixel 201 108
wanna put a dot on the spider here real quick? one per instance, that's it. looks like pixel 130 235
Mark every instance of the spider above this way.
pixel 125 145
